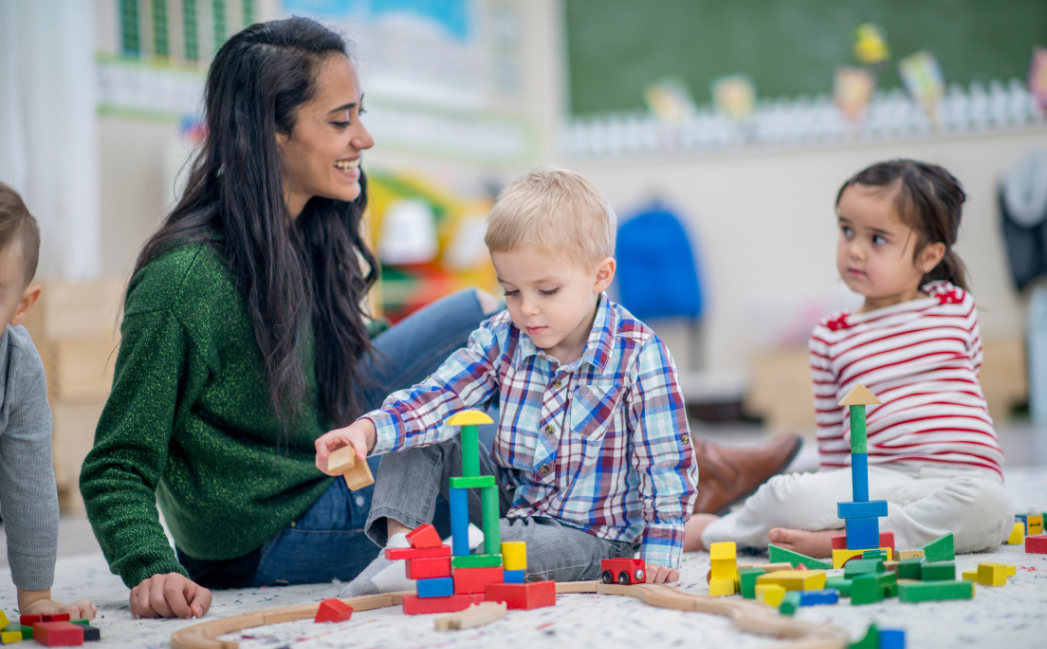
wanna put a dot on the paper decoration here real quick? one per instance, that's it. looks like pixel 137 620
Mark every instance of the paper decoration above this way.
pixel 922 77
pixel 1038 76
pixel 870 44
pixel 734 96
pixel 853 90
pixel 669 100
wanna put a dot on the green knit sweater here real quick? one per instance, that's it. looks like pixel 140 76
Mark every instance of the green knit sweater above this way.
pixel 189 425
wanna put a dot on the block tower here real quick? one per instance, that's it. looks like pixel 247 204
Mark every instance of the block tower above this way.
pixel 451 578
pixel 861 515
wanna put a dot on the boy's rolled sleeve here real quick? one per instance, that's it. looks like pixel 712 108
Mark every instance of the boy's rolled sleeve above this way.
pixel 662 455
pixel 415 416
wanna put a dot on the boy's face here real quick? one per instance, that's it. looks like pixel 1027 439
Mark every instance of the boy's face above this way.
pixel 551 298
pixel 15 297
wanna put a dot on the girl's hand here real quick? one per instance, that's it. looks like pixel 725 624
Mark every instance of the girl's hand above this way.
pixel 661 575
pixel 81 610
pixel 360 435
pixel 170 595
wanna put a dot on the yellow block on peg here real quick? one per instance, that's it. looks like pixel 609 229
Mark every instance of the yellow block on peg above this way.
pixel 514 555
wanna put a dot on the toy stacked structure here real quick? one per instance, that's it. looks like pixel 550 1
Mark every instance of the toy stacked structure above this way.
pixel 451 579
pixel 50 630
pixel 861 515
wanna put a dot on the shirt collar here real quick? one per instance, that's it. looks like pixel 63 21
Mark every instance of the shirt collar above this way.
pixel 598 348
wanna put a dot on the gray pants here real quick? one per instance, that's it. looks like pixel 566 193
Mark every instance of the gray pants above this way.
pixel 409 482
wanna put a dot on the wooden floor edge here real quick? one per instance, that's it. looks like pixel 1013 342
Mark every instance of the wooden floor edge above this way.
pixel 748 616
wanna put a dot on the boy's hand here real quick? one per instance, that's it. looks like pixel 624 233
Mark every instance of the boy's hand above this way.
pixel 361 435
pixel 661 575
pixel 81 610
pixel 170 595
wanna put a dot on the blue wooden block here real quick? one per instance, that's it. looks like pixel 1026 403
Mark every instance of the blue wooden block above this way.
pixel 869 509
pixel 441 587
pixel 892 639
pixel 459 522
pixel 863 533
pixel 817 597
pixel 1024 520
pixel 859 477
pixel 513 576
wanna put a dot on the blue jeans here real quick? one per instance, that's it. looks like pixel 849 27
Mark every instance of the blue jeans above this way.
pixel 328 540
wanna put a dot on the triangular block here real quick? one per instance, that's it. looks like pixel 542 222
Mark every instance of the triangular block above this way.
pixel 859 396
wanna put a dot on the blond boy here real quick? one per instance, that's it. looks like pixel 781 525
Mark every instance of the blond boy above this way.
pixel 28 496
pixel 592 455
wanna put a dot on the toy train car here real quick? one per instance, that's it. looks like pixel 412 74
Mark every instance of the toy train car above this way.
pixel 624 571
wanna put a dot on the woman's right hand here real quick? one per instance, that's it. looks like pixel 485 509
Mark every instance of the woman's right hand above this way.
pixel 170 595
pixel 360 435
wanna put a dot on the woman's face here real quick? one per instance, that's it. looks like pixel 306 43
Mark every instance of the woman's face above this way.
pixel 322 152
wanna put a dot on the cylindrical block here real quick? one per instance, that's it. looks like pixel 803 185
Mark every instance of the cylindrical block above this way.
pixel 858 443
pixel 492 520
pixel 470 452
pixel 859 477
pixel 459 522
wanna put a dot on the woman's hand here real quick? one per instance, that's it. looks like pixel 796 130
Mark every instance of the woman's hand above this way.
pixel 360 435
pixel 39 602
pixel 661 575
pixel 170 595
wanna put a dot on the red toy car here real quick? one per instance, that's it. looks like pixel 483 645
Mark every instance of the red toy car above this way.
pixel 624 571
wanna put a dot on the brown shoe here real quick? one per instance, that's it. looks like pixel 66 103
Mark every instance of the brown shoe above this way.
pixel 727 474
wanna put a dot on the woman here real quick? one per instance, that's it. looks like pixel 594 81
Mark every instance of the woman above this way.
pixel 243 340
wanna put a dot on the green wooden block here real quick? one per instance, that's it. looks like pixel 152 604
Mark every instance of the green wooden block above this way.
pixel 778 555
pixel 841 584
pixel 932 591
pixel 470 452
pixel 875 554
pixel 477 482
pixel 477 561
pixel 858 444
pixel 790 603
pixel 856 567
pixel 81 622
pixel 938 571
pixel 909 568
pixel 870 641
pixel 940 550
pixel 26 631
pixel 888 583
pixel 491 520
pixel 748 578
pixel 866 590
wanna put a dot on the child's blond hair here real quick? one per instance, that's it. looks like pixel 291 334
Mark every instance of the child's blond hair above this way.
pixel 558 212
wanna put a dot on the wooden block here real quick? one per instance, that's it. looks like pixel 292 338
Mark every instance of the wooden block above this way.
pixel 724 569
pixel 1035 522
pixel 514 555
pixel 910 568
pixel 841 584
pixel 839 541
pixel 768 567
pixel 424 536
pixel 796 559
pixel 857 567
pixel 840 557
pixel 414 605
pixel 358 477
pixel 941 549
pixel 333 610
pixel 55 617
pixel 58 634
pixel 892 639
pixel 475 482
pixel 821 597
pixel 30 620
pixel 515 576
pixel 723 550
pixel 26 631
pixel 865 589
pixel 871 640
pixel 868 509
pixel 475 580
pixel 3 620
pixel 475 616
pixel 395 554
pixel 1017 534
pixel 794 579
pixel 1036 544
pixel 535 594
pixel 477 561
pixel 887 540
pixel 910 554
pixel 747 581
pixel 440 587
pixel 570 587
pixel 935 591
pixel 938 571
pixel 433 568
pixel 721 587
pixel 993 574
pixel 10 637
pixel 790 603
pixel 770 594
pixel 970 575
pixel 92 634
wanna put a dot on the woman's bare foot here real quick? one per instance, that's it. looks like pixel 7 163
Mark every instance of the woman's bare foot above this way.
pixel 817 545
pixel 692 531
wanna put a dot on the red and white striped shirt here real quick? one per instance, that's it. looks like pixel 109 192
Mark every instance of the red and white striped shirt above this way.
pixel 921 358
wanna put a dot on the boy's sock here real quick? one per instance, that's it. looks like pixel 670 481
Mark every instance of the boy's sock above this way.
pixel 383 575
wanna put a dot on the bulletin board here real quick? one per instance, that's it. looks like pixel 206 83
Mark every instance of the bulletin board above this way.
pixel 788 47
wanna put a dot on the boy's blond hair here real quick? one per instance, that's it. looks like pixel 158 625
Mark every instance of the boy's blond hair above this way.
pixel 558 212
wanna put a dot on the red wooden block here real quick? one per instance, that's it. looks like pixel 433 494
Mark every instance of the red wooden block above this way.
pixel 839 541
pixel 333 610
pixel 415 605
pixel 1036 544
pixel 58 634
pixel 425 536
pixel 475 580
pixel 30 620
pixel 535 594
pixel 55 617
pixel 393 554
pixel 434 568
pixel 887 541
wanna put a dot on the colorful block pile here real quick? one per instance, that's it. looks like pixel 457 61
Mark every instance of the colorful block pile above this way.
pixel 451 579
pixel 55 630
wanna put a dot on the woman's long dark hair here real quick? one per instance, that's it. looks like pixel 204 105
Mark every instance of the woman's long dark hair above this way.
pixel 291 273
pixel 930 201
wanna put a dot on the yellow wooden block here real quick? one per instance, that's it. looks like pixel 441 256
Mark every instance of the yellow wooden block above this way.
pixel 514 555
pixel 794 579
pixel 724 568
pixel 770 594
pixel 1017 536
pixel 993 574
pixel 970 575
pixel 468 418
pixel 10 637
pixel 721 587
pixel 1012 571
pixel 724 550
pixel 3 620
pixel 841 556
pixel 1035 524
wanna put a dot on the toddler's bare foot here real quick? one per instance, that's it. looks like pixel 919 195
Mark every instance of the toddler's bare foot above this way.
pixel 692 531
pixel 817 545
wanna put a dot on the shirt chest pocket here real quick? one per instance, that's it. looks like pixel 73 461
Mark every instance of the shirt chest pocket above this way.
pixel 593 409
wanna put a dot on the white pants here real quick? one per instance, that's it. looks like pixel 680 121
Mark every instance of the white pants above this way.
pixel 923 504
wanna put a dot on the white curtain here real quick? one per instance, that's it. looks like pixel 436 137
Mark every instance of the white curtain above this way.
pixel 48 130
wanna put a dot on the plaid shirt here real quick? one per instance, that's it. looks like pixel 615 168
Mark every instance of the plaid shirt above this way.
pixel 622 470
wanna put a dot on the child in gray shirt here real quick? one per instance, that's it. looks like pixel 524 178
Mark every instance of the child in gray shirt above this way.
pixel 28 496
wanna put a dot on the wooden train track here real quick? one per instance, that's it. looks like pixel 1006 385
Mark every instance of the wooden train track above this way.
pixel 747 615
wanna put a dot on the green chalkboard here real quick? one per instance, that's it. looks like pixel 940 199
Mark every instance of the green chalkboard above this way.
pixel 789 47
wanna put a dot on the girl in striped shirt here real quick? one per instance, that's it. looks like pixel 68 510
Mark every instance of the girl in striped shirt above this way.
pixel 933 453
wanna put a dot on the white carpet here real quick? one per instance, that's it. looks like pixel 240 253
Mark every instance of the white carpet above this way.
pixel 1011 616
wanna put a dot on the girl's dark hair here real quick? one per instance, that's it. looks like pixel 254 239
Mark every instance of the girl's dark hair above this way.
pixel 294 274
pixel 929 200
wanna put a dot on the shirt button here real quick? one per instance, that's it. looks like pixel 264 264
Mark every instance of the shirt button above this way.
pixel 686 439
pixel 544 469
pixel 293 523
pixel 557 384
pixel 550 429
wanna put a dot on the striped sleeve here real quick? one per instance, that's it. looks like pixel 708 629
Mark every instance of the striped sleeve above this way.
pixel 832 444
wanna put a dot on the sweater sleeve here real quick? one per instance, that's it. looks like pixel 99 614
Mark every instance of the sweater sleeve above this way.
pixel 121 473
pixel 28 496
pixel 833 447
